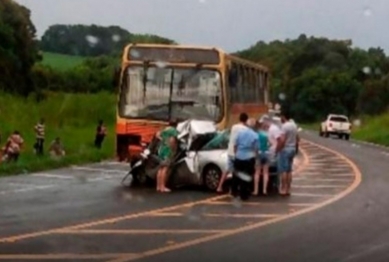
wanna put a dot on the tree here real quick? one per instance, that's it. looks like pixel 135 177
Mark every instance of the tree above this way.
pixel 18 49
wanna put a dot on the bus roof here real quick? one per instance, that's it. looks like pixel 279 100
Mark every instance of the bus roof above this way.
pixel 200 47
pixel 239 60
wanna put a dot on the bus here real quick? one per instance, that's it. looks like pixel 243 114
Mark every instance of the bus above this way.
pixel 158 83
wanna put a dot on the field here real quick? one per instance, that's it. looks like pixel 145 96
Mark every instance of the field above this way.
pixel 71 117
pixel 61 62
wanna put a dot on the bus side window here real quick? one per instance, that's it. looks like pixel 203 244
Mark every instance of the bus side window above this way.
pixel 254 89
pixel 233 82
pixel 247 86
pixel 261 86
pixel 241 85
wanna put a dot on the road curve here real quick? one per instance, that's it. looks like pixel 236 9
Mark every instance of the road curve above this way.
pixel 316 223
pixel 352 229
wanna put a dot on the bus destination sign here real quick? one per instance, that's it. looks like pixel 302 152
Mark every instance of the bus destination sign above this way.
pixel 174 55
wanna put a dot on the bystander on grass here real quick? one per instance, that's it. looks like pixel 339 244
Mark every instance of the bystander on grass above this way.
pixel 72 117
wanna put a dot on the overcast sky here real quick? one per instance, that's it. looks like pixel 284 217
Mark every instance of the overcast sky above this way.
pixel 230 24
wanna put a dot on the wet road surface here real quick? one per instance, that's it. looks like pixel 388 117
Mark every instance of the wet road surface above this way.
pixel 82 213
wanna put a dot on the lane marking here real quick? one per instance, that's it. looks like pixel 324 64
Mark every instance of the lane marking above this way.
pixel 258 203
pixel 313 179
pixel 102 170
pixel 318 186
pixel 106 221
pixel 53 176
pixel 311 195
pixel 351 188
pixel 177 214
pixel 26 189
pixel 64 256
pixel 140 231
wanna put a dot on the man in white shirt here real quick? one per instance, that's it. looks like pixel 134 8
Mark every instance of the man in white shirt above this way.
pixel 231 144
pixel 287 152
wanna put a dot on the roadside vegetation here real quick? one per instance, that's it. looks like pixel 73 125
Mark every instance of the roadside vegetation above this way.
pixel 72 117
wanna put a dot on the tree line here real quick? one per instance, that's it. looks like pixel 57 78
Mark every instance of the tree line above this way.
pixel 311 76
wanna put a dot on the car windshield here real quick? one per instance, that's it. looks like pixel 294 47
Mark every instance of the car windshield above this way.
pixel 339 119
pixel 163 93
pixel 220 141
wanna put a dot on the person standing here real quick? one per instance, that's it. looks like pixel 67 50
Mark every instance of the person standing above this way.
pixel 230 158
pixel 275 140
pixel 246 153
pixel 101 132
pixel 40 136
pixel 166 153
pixel 287 152
pixel 263 159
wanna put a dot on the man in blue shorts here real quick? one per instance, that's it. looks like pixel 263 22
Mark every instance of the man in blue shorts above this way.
pixel 286 152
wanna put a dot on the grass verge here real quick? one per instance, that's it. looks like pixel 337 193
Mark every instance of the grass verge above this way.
pixel 73 117
pixel 372 129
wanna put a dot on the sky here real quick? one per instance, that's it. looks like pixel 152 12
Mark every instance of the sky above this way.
pixel 230 24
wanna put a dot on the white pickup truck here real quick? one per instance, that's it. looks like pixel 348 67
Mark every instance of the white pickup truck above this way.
pixel 336 125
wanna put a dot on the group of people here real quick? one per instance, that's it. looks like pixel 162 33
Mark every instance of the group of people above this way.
pixel 252 145
pixel 14 143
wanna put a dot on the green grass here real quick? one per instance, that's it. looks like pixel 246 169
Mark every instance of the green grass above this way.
pixel 373 129
pixel 69 116
pixel 61 62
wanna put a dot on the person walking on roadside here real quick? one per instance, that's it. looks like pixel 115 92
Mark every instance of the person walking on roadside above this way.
pixel 101 132
pixel 262 165
pixel 230 164
pixel 246 152
pixel 287 152
pixel 40 136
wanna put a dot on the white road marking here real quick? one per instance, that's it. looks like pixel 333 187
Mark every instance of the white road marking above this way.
pixel 98 169
pixel 27 189
pixel 317 186
pixel 53 176
pixel 310 195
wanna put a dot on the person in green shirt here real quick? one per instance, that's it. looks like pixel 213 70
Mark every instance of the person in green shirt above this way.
pixel 263 159
pixel 166 152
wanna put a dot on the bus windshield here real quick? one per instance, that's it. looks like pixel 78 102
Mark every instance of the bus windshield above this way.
pixel 161 93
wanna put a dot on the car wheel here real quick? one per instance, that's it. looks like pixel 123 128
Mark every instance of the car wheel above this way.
pixel 340 136
pixel 211 177
pixel 320 132
pixel 326 134
pixel 347 137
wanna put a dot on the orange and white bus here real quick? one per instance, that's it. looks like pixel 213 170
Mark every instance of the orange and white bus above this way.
pixel 158 83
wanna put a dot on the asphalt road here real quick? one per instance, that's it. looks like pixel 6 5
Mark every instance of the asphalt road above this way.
pixel 83 214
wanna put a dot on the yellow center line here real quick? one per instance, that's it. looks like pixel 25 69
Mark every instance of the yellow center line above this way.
pixel 106 221
pixel 334 198
pixel 141 231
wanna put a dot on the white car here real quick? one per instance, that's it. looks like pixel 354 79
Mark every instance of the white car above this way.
pixel 338 125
